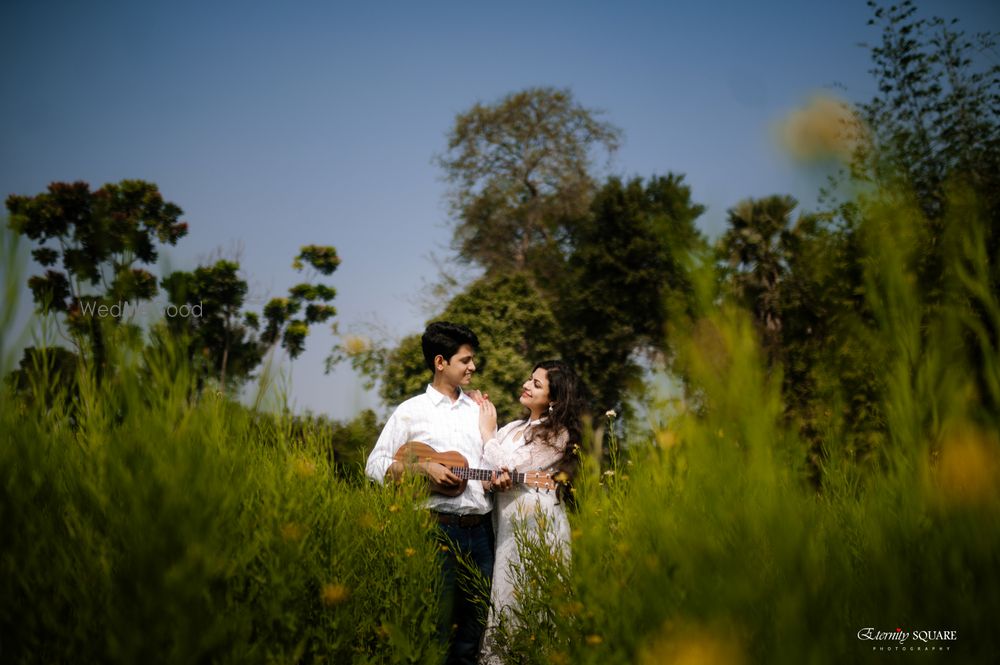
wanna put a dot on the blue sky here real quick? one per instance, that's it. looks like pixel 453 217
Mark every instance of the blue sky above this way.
pixel 275 125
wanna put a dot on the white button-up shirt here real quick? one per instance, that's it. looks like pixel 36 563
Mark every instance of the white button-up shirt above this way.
pixel 434 419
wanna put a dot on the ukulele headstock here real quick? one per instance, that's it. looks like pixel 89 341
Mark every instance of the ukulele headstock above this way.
pixel 539 480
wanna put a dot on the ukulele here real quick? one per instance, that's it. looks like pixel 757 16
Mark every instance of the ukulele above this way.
pixel 414 452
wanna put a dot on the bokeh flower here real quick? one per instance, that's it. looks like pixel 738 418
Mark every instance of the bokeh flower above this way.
pixel 967 471
pixel 334 594
pixel 692 645
pixel 825 128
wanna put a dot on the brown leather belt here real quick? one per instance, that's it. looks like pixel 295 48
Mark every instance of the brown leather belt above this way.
pixel 451 519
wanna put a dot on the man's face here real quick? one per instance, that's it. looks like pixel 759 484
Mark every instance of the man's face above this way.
pixel 457 370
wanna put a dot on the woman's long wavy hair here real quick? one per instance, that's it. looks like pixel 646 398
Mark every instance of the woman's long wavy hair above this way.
pixel 567 403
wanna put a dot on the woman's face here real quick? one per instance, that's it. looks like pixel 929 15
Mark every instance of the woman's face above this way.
pixel 535 393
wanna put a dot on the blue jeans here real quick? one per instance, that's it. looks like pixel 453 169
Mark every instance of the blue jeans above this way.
pixel 465 600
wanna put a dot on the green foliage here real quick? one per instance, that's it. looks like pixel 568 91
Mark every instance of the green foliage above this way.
pixel 935 123
pixel 49 372
pixel 99 237
pixel 756 247
pixel 12 262
pixel 222 338
pixel 219 343
pixel 625 278
pixel 936 114
pixel 278 312
pixel 323 259
pixel 933 141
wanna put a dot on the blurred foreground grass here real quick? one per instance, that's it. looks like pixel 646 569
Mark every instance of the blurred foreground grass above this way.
pixel 142 524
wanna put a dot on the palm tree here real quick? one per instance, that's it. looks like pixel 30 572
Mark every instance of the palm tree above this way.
pixel 755 251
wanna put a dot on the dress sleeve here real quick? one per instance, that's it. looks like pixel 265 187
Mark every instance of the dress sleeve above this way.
pixel 493 451
pixel 392 437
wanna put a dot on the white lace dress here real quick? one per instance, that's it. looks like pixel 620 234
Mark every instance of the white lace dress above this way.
pixel 523 508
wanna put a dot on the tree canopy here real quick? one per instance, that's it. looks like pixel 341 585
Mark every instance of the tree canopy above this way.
pixel 517 169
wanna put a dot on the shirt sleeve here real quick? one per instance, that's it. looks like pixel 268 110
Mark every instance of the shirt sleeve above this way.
pixel 392 437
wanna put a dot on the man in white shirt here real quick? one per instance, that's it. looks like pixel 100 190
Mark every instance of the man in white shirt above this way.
pixel 447 419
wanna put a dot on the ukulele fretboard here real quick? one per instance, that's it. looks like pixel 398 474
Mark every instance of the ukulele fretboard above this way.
pixel 467 473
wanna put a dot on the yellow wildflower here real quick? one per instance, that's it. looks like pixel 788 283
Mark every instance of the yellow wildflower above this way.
pixel 356 344
pixel 968 468
pixel 334 594
pixel 303 467
pixel 666 438
pixel 292 531
pixel 692 645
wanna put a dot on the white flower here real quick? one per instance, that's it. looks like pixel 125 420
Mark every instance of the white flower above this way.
pixel 610 413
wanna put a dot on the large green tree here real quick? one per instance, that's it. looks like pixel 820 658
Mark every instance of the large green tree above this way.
pixel 625 278
pixel 518 168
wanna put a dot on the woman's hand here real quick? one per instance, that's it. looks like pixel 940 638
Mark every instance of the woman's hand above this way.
pixel 487 419
pixel 502 480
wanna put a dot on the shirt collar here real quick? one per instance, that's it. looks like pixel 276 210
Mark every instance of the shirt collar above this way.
pixel 437 397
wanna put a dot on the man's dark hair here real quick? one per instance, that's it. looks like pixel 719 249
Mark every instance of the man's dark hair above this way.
pixel 444 339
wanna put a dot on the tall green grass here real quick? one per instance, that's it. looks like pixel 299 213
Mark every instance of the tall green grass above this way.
pixel 145 523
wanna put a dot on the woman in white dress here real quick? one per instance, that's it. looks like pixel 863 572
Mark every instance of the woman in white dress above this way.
pixel 547 438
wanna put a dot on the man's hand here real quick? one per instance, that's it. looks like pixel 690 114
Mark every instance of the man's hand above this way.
pixel 439 473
